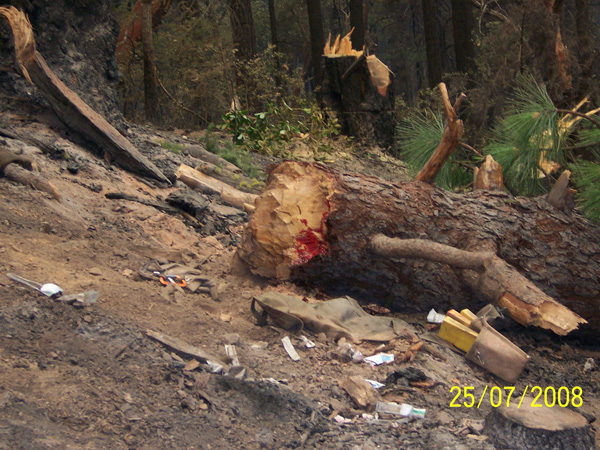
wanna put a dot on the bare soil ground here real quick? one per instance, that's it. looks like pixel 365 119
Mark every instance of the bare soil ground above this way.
pixel 90 378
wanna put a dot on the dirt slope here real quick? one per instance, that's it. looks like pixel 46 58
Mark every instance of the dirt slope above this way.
pixel 90 378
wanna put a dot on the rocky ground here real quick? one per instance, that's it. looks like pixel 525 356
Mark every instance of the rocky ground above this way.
pixel 91 378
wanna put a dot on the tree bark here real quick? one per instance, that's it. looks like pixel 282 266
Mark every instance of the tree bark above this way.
pixel 151 106
pixel 273 24
pixel 357 22
pixel 315 225
pixel 242 27
pixel 317 39
pixel 432 43
pixel 462 26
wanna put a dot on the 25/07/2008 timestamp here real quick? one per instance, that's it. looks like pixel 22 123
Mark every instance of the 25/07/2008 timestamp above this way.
pixel 563 396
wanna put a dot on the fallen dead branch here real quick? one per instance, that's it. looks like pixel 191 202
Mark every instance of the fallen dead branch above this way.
pixel 19 175
pixel 198 180
pixel 68 106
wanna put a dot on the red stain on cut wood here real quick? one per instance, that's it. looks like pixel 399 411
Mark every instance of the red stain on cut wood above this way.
pixel 311 242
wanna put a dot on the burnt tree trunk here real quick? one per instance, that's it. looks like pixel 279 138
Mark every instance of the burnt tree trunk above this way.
pixel 242 27
pixel 314 224
pixel 432 43
pixel 273 24
pixel 357 22
pixel 363 110
pixel 150 74
pixel 462 27
pixel 317 39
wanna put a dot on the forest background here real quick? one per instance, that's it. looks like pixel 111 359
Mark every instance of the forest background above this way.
pixel 529 69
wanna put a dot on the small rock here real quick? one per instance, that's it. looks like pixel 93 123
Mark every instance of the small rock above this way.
pixel 87 318
pixel 225 318
pixel 128 398
pixel 95 271
pixel 265 439
pixel 589 365
pixel 321 337
pixel 444 418
pixel 53 355
pixel 127 272
pixel 232 338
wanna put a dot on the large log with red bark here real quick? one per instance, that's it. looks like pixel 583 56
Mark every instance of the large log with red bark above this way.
pixel 316 225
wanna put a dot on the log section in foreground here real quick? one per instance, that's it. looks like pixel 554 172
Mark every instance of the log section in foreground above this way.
pixel 314 224
pixel 67 105
pixel 522 425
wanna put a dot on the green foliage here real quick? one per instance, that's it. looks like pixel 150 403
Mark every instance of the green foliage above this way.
pixel 233 154
pixel 418 136
pixel 586 175
pixel 530 133
pixel 267 132
pixel 172 146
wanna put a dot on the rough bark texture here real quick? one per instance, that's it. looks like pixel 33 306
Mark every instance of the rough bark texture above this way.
pixel 314 224
pixel 521 426
pixel 150 75
pixel 317 38
pixel 432 43
pixel 242 26
pixel 360 107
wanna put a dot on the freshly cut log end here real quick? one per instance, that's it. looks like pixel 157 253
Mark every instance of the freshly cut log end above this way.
pixel 557 254
pixel 523 425
pixel 288 226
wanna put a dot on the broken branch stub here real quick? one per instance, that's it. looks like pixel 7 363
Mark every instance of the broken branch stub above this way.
pixel 68 106
pixel 452 134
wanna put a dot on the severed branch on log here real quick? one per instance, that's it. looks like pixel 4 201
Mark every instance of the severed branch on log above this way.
pixel 198 180
pixel 452 134
pixel 562 197
pixel 68 106
pixel 496 280
pixel 315 225
pixel 488 176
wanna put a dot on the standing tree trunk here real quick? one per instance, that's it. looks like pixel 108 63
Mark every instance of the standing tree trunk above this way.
pixel 317 38
pixel 462 25
pixel 432 43
pixel 242 27
pixel 273 23
pixel 150 75
pixel 357 22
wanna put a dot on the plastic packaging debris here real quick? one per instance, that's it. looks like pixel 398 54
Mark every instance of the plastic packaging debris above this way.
pixel 379 359
pixel 375 384
pixel 289 348
pixel 49 289
pixel 395 409
pixel 340 419
pixel 348 353
pixel 435 317
pixel 232 354
pixel 308 343
pixel 589 365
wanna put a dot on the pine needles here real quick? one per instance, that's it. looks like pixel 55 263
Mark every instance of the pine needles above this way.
pixel 419 136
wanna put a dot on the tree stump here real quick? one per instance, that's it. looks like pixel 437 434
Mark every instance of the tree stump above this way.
pixel 363 109
pixel 528 427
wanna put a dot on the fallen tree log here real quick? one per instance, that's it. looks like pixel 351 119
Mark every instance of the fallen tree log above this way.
pixel 314 224
pixel 68 106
